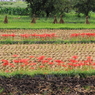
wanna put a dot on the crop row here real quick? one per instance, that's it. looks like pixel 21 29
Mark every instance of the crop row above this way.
pixel 27 56
pixel 27 36
pixel 60 34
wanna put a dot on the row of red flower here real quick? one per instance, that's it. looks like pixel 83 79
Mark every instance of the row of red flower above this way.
pixel 82 34
pixel 43 62
pixel 29 35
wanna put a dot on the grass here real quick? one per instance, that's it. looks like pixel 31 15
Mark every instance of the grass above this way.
pixel 27 25
pixel 71 22
pixel 71 73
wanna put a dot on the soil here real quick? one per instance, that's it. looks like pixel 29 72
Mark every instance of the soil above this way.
pixel 47 85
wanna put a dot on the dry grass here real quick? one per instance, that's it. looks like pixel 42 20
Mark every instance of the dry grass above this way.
pixel 62 52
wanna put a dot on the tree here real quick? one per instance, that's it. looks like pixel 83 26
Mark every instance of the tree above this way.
pixel 48 6
pixel 84 6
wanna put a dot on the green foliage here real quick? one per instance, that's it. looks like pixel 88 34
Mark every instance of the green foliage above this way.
pixel 14 8
pixel 48 7
pixel 72 73
pixel 84 6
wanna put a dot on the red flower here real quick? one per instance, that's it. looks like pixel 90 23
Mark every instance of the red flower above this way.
pixel 22 65
pixel 13 35
pixel 16 61
pixel 71 64
pixel 59 64
pixel 73 61
pixel 74 35
pixel 31 56
pixel 26 63
pixel 33 34
pixel 5 35
pixel 32 64
pixel 75 57
pixel 64 65
pixel 50 63
pixel 23 60
pixel 81 64
pixel 41 66
pixel 25 35
pixel 14 55
pixel 45 61
pixel 41 58
pixel 5 64
pixel 3 60
pixel 89 57
pixel 32 68
pixel 58 61
pixel 7 71
pixel 48 58
pixel 93 64
pixel 75 65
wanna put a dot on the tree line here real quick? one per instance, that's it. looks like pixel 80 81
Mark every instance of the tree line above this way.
pixel 59 7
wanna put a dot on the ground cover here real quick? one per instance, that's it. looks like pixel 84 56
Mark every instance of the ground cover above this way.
pixel 71 22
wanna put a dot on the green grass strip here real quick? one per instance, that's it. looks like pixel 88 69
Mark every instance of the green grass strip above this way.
pixel 72 73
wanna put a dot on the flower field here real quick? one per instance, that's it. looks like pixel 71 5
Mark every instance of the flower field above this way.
pixel 45 34
pixel 50 69
pixel 60 57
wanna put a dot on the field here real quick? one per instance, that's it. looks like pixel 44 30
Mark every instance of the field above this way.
pixel 47 68
pixel 27 57
pixel 47 64
pixel 24 22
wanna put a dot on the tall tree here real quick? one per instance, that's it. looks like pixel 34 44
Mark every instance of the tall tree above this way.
pixel 84 6
pixel 48 6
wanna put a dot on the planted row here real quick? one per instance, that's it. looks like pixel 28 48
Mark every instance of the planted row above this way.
pixel 42 33
pixel 45 63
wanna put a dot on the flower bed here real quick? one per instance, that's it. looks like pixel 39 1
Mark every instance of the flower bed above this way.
pixel 53 58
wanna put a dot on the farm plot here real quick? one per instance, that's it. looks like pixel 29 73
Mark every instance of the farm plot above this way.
pixel 52 57
pixel 59 34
